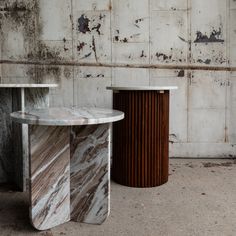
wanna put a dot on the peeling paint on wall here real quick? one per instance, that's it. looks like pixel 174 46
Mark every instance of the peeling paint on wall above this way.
pixel 215 37
pixel 83 24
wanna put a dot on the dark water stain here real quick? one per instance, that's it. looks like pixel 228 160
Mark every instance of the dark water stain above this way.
pixel 116 38
pixel 80 46
pixel 94 48
pixel 163 56
pixel 97 28
pixel 83 24
pixel 65 48
pixel 142 54
pixel 23 15
pixel 181 73
pixel 44 52
pixel 87 55
pixel 54 72
pixel 215 37
pixel 72 22
pixel 19 12
pixel 67 73
pixel 207 61
pixel 125 40
pixel 137 21
pixel 220 59
pixel 95 76
pixel 182 39
pixel 101 16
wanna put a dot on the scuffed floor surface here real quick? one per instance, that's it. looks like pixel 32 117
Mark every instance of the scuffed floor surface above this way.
pixel 199 199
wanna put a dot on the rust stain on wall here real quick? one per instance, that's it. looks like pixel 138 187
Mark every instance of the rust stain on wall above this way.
pixel 110 6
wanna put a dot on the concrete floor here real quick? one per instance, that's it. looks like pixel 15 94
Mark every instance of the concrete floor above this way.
pixel 199 199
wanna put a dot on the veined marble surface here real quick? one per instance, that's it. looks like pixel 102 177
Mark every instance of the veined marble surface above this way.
pixel 69 166
pixel 28 85
pixel 67 116
pixel 6 138
pixel 14 137
pixel 49 176
pixel 32 98
pixel 161 88
pixel 90 173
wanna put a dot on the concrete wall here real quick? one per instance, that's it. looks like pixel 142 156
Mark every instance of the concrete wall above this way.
pixel 52 41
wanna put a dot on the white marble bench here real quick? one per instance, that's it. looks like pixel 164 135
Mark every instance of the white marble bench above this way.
pixel 69 164
pixel 13 158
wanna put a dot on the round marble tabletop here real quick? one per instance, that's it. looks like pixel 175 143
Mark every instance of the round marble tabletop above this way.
pixel 67 116
pixel 28 85
pixel 143 88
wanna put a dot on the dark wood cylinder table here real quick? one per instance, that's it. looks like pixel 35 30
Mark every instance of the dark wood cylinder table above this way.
pixel 141 140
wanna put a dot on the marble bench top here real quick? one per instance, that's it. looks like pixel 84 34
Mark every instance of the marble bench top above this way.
pixel 143 88
pixel 67 116
pixel 28 85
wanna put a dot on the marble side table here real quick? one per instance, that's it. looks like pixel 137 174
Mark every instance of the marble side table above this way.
pixel 69 164
pixel 141 140
pixel 14 158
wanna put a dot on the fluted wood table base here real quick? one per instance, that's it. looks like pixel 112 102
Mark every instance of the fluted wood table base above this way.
pixel 69 174
pixel 141 140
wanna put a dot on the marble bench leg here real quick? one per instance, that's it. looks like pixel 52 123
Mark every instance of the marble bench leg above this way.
pixel 25 99
pixel 49 167
pixel 14 137
pixel 6 138
pixel 90 173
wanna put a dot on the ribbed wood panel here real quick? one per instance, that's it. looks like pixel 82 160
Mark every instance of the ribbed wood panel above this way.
pixel 141 140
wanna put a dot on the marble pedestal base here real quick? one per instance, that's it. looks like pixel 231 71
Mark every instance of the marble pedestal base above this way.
pixel 69 174
pixel 14 137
